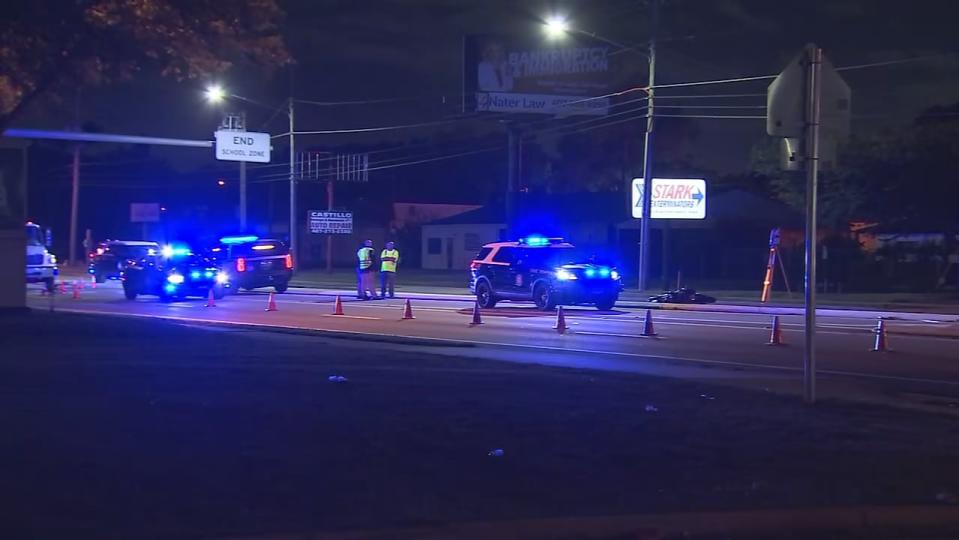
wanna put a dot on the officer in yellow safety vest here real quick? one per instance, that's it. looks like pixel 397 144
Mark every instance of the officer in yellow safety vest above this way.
pixel 388 260
pixel 364 272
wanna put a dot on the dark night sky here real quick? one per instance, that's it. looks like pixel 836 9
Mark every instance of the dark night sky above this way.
pixel 348 50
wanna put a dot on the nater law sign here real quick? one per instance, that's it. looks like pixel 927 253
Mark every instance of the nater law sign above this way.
pixel 531 75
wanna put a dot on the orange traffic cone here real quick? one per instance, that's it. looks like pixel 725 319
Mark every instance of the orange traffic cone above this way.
pixel 76 291
pixel 408 310
pixel 880 345
pixel 63 287
pixel 560 325
pixel 271 303
pixel 338 306
pixel 476 315
pixel 210 299
pixel 776 333
pixel 648 324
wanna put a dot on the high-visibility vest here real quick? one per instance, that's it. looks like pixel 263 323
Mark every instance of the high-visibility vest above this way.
pixel 388 258
pixel 365 256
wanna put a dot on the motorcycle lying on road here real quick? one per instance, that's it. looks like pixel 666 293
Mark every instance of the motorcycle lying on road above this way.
pixel 682 295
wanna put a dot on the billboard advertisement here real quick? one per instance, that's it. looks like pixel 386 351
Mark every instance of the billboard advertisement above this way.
pixel 532 74
pixel 673 198
pixel 330 222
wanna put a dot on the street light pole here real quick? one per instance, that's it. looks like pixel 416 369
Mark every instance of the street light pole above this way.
pixel 292 186
pixel 243 182
pixel 648 159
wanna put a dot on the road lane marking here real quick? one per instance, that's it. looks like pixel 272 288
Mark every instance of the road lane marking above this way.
pixel 461 342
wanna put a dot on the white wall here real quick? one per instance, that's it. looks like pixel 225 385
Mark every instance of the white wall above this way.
pixel 465 240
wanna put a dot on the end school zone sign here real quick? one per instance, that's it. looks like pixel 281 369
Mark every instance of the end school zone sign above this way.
pixel 243 146
pixel 673 198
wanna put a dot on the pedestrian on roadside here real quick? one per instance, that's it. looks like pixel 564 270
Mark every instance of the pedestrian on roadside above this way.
pixel 364 271
pixel 388 259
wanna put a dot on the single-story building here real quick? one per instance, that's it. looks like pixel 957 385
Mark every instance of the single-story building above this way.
pixel 731 242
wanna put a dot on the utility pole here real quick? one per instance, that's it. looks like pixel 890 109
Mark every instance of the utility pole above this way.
pixel 644 226
pixel 292 186
pixel 74 204
pixel 512 165
pixel 243 181
pixel 813 106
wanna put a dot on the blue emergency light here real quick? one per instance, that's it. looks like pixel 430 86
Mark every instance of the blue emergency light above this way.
pixel 174 251
pixel 233 240
pixel 536 240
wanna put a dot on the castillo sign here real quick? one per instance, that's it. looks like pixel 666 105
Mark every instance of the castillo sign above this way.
pixel 673 198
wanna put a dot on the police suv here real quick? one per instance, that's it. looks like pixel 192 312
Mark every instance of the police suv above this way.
pixel 546 271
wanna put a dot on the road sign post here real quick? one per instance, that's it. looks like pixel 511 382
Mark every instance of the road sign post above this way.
pixel 809 97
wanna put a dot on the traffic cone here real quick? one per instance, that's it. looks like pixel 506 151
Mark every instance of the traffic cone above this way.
pixel 560 325
pixel 210 299
pixel 93 282
pixel 338 306
pixel 271 303
pixel 880 345
pixel 648 324
pixel 477 319
pixel 76 291
pixel 63 287
pixel 776 334
pixel 408 311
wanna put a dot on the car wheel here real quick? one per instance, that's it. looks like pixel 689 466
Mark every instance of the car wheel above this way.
pixel 543 298
pixel 484 295
pixel 281 287
pixel 129 292
pixel 606 303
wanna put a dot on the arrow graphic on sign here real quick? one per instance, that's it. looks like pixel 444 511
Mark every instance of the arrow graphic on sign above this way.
pixel 698 196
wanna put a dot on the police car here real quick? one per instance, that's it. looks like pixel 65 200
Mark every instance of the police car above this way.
pixel 173 273
pixel 251 262
pixel 546 271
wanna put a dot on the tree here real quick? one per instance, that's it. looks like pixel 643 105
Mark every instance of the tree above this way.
pixel 903 179
pixel 46 45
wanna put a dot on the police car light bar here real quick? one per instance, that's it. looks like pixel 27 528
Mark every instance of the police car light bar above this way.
pixel 231 240
pixel 535 240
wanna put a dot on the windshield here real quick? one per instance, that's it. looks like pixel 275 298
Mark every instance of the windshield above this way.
pixel 34 236
pixel 558 256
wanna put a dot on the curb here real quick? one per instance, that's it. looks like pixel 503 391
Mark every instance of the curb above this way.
pixel 775 523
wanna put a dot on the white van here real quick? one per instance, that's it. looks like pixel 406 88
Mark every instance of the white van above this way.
pixel 41 264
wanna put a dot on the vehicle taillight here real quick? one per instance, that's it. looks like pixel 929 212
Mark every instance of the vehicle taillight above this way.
pixel 241 264
pixel 288 260
pixel 474 265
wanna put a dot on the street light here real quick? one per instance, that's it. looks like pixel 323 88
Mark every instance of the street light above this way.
pixel 215 93
pixel 555 27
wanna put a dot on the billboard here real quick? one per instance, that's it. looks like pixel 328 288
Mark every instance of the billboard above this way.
pixel 673 198
pixel 515 74
pixel 144 212
pixel 330 222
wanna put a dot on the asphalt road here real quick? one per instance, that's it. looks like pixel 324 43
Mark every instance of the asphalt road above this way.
pixel 705 345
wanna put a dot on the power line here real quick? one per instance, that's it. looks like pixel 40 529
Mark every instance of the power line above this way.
pixel 894 62
pixel 405 164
